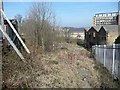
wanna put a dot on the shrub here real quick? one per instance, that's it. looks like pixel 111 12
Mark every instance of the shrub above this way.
pixel 117 41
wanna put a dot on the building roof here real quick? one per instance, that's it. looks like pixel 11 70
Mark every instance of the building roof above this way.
pixel 87 28
pixel 107 28
pixel 111 28
pixel 78 30
pixel 107 13
pixel 97 28
pixel 13 21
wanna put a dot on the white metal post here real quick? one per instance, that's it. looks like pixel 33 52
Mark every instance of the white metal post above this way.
pixel 99 53
pixel 113 63
pixel 104 54
pixel 15 32
pixel 96 52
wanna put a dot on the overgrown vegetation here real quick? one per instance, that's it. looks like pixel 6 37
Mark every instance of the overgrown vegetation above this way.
pixel 40 27
pixel 117 41
pixel 70 66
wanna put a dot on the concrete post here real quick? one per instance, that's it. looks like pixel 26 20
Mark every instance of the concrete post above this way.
pixel 113 63
pixel 104 54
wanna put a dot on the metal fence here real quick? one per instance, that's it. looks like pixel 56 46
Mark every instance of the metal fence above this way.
pixel 109 56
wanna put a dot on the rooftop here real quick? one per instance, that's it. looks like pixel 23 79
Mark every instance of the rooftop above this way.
pixel 106 27
pixel 107 13
pixel 76 30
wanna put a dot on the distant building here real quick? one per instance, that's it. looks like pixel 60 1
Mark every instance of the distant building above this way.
pixel 91 37
pixel 99 35
pixel 106 19
pixel 11 33
pixel 77 33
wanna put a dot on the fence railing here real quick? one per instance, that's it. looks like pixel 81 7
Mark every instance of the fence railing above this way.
pixel 109 56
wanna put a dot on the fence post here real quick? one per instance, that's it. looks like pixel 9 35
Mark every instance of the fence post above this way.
pixel 99 54
pixel 113 63
pixel 104 54
pixel 96 52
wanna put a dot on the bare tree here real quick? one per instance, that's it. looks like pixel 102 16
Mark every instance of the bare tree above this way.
pixel 41 24
pixel 19 18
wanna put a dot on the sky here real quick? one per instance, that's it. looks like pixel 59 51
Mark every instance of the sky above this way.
pixel 71 14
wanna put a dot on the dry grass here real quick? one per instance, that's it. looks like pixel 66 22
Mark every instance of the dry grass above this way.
pixel 68 67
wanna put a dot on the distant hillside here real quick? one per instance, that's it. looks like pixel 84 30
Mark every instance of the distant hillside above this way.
pixel 74 29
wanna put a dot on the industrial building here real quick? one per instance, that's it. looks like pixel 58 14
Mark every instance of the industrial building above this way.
pixel 106 19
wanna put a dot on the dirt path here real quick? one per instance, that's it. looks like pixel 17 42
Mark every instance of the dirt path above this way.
pixel 69 67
